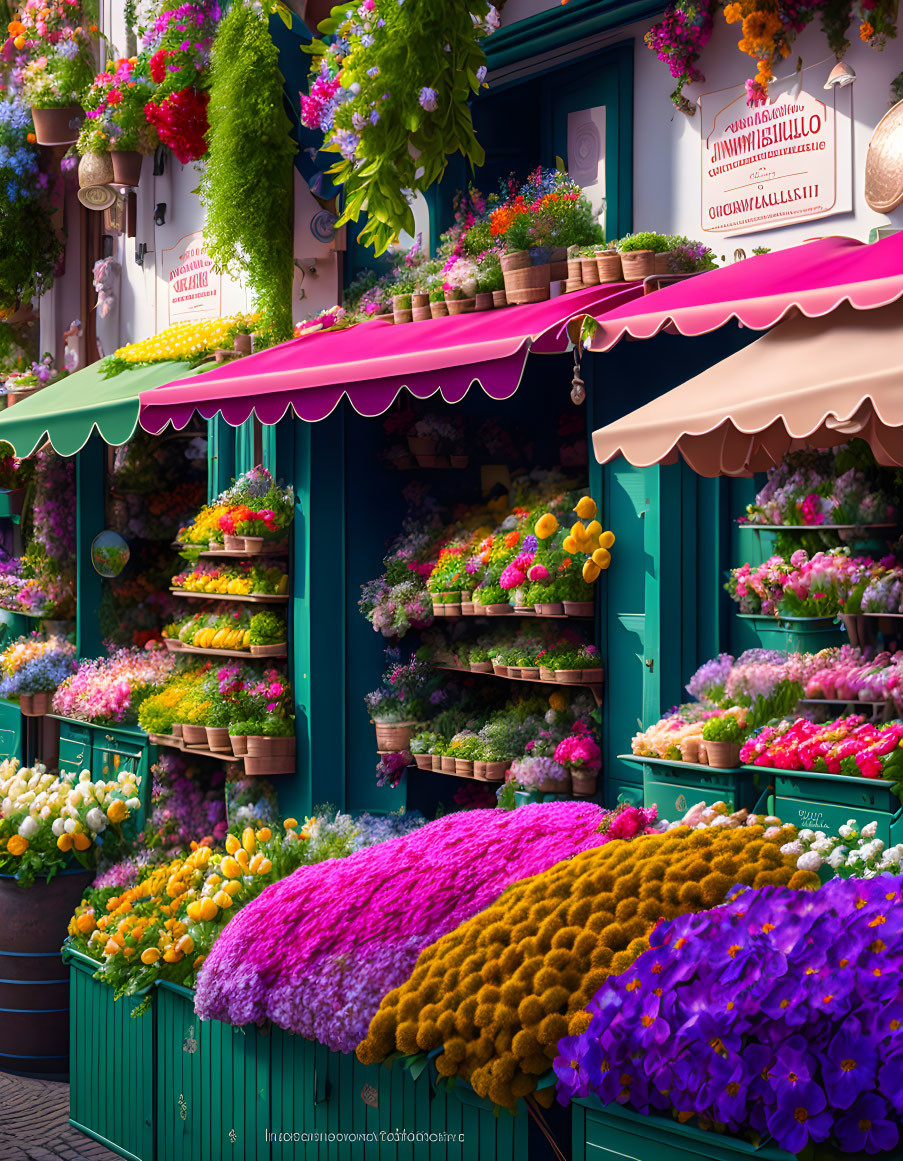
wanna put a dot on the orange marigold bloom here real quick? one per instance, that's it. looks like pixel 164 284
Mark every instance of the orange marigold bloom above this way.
pixel 866 31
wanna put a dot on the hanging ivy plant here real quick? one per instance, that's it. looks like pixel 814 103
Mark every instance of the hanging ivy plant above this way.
pixel 247 187
pixel 29 247
pixel 391 93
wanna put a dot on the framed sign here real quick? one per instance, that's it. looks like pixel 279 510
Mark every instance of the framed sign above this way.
pixel 789 160
pixel 194 289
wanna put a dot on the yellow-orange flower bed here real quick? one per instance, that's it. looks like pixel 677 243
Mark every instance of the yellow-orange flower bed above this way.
pixel 499 992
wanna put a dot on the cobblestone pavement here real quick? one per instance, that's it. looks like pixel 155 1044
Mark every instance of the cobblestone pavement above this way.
pixel 34 1123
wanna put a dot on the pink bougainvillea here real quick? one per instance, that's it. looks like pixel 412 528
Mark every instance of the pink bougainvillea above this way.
pixel 317 951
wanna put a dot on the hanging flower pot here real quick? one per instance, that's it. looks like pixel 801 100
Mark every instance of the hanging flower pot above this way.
pixel 393 736
pixel 58 126
pixel 126 167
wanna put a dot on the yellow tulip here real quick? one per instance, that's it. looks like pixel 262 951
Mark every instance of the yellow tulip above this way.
pixel 606 540
pixel 81 842
pixel 289 824
pixel 602 557
pixel 265 867
pixel 247 839
pixel 578 531
pixel 222 899
pixel 586 508
pixel 150 955
pixel 231 868
pixel 546 526
pixel 569 544
pixel 264 834
pixel 232 844
pixel 209 910
pixel 590 571
pixel 242 857
pixel 64 842
pixel 117 811
pixel 232 887
pixel 593 529
pixel 193 910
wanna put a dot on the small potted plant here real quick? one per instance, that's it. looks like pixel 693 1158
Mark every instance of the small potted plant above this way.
pixel 59 68
pixel 493 766
pixel 420 749
pixel 582 756
pixel 272 750
pixel 401 298
pixel 492 601
pixel 638 254
pixel 238 735
pixel 490 280
pixel 567 665
pixel 551 776
pixel 724 737
pixel 217 726
pixel 551 604
pixel 577 594
pixel 268 635
pixel 591 664
pixel 242 344
pixel 438 305
pixel 479 661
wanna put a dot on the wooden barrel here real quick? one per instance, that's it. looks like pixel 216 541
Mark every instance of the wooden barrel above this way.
pixel 34 984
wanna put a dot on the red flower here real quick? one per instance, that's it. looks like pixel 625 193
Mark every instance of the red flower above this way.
pixel 158 66
pixel 181 123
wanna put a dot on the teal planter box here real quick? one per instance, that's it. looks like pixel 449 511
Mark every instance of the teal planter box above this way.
pixel 676 786
pixel 212 1084
pixel 390 1113
pixel 791 634
pixel 11 745
pixel 111 1093
pixel 610 1131
pixel 826 801
pixel 105 751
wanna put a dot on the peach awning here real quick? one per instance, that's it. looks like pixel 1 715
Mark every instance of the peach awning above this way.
pixel 808 381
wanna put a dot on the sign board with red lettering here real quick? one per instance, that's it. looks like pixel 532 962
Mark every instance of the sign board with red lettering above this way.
pixel 771 165
pixel 194 289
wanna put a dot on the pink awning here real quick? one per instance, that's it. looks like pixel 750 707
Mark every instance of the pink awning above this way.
pixel 814 278
pixel 815 382
pixel 373 361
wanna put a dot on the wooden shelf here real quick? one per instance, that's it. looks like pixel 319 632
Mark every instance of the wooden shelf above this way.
pixel 244 654
pixel 174 743
pixel 256 598
pixel 699 767
pixel 595 686
pixel 512 614
pixel 273 553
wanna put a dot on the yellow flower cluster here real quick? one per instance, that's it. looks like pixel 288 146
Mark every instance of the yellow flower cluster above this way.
pixel 499 992
pixel 589 539
pixel 173 916
pixel 205 526
pixel 186 340
pixel 231 582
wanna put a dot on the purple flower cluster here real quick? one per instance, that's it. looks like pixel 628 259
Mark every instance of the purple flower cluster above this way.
pixel 707 683
pixel 317 951
pixel 778 1013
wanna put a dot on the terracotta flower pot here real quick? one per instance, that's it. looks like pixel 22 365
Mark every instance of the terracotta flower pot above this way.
pixel 242 345
pixel 499 670
pixel 558 263
pixel 234 543
pixel 448 765
pixel 437 763
pixel 513 671
pixel 127 168
pixel 524 281
pixel 420 307
pixel 575 270
pixel 479 770
pixel 265 746
pixel 464 767
pixel 483 300
pixel 422 445
pixel 662 263
pixel 424 761
pixel 401 308
pixel 35 705
pixel 239 743
pixel 176 729
pixel 723 755
pixel 499 610
pixel 499 299
pixel 593 676
pixel 637 264
pixel 194 735
pixel 495 771
pixel 58 126
pixel 568 674
pixel 579 608
pixel 268 767
pixel 546 674
pixel 214 545
pixel 529 672
pixel 218 738
pixel 394 735
pixel 269 650
pixel 439 309
pixel 549 609
pixel 481 667
pixel 608 264
pixel 460 305
pixel 689 750
pixel 589 272
pixel 555 785
pixel 253 545
pixel 582 785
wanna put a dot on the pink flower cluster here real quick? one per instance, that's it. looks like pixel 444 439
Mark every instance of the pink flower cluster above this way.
pixel 515 574
pixel 108 689
pixel 317 951
pixel 819 586
pixel 848 745
pixel 579 751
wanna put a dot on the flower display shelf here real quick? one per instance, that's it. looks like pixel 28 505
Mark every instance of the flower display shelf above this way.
pixel 875 711
pixel 243 554
pixel 813 527
pixel 793 634
pixel 620 1132
pixel 527 614
pixel 594 686
pixel 174 743
pixel 245 654
pixel 826 801
pixel 675 786
pixel 255 598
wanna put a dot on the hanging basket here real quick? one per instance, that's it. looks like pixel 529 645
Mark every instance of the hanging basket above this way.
pixel 126 167
pixel 58 126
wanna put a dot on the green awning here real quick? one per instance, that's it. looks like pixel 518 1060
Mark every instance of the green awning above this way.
pixel 68 411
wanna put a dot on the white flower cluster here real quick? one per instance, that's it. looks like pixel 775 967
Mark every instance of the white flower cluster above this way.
pixel 30 797
pixel 700 816
pixel 851 853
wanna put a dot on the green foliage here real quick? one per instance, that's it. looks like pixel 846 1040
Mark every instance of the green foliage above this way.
pixel 645 241
pixel 267 629
pixel 247 187
pixel 422 44
pixel 725 729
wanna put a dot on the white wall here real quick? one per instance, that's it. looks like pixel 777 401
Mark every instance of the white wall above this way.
pixel 667 145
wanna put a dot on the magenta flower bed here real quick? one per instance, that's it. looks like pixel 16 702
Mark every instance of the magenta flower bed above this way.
pixel 317 951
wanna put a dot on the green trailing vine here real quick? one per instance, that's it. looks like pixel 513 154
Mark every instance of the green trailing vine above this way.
pixel 247 187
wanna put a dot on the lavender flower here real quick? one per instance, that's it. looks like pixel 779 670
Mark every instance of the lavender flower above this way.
pixel 429 99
